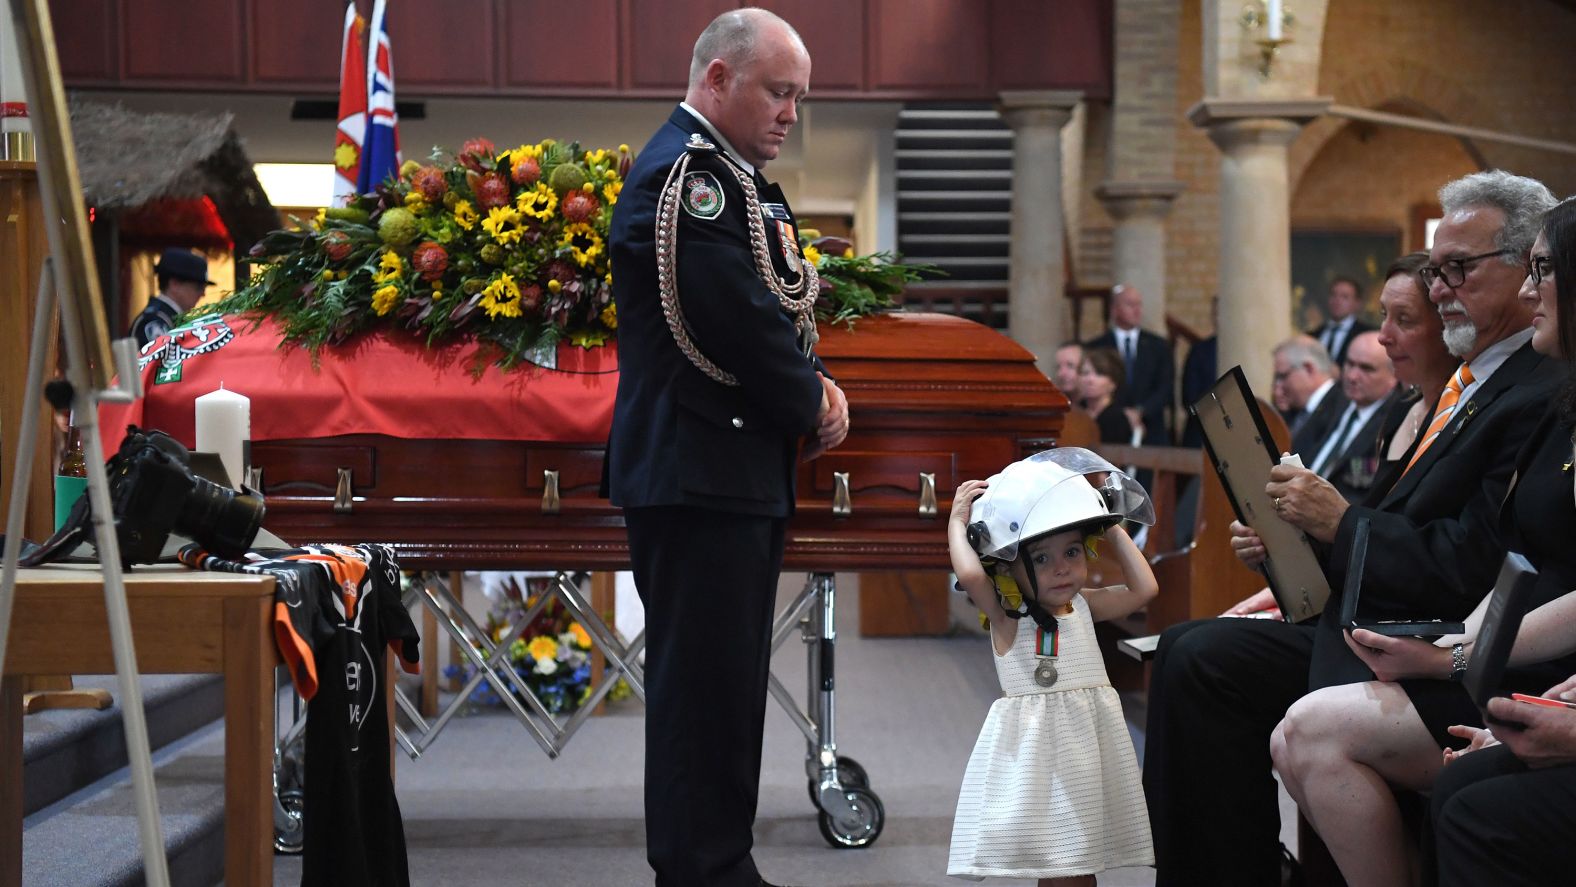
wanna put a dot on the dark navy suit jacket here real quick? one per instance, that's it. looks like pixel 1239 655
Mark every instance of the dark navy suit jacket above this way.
pixel 679 437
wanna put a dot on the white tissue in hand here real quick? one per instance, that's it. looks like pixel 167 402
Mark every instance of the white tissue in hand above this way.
pixel 1292 459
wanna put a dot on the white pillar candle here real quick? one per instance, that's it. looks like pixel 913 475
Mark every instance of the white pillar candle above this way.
pixel 1274 17
pixel 11 86
pixel 224 424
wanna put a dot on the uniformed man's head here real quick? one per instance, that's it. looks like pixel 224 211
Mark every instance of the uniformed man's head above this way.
pixel 749 72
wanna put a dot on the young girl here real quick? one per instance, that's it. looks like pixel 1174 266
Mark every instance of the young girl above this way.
pixel 1052 788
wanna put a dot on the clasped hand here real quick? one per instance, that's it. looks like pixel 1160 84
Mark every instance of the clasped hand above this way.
pixel 1306 501
pixel 831 420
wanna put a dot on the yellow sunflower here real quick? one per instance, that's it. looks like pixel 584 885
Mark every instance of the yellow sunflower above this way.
pixel 390 267
pixel 501 298
pixel 812 255
pixel 384 300
pixel 503 223
pixel 538 203
pixel 584 243
pixel 543 648
pixel 465 214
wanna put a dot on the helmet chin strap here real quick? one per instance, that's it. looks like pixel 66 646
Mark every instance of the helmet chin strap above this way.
pixel 1031 602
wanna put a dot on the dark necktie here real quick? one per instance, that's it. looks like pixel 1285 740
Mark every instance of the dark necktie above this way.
pixel 1129 357
pixel 1336 444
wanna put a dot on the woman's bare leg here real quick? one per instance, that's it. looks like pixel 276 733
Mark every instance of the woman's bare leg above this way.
pixel 1339 751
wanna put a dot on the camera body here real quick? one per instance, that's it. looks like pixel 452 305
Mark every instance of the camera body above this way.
pixel 153 493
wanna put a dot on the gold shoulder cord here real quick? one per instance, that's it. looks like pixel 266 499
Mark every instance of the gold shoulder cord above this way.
pixel 798 299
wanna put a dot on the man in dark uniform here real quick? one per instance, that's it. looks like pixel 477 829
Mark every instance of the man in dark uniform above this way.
pixel 182 276
pixel 717 391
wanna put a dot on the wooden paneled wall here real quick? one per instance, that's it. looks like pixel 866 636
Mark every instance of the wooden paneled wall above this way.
pixel 887 49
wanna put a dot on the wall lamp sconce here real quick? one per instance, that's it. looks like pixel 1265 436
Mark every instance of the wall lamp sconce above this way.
pixel 1268 22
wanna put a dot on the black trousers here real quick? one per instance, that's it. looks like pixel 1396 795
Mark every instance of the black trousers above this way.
pixel 1217 690
pixel 1497 822
pixel 708 580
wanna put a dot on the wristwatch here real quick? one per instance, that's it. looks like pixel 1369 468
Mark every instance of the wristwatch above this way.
pixel 1458 662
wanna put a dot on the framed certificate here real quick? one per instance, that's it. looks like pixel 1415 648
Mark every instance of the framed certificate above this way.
pixel 1243 452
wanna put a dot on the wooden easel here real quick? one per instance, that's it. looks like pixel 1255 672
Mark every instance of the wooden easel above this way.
pixel 67 280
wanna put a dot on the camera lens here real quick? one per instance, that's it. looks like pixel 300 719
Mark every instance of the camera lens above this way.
pixel 220 519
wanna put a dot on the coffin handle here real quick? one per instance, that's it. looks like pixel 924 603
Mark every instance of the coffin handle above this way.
pixel 342 493
pixel 551 503
pixel 927 494
pixel 254 478
pixel 842 502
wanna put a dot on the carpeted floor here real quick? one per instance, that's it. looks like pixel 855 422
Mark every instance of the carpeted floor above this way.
pixel 484 805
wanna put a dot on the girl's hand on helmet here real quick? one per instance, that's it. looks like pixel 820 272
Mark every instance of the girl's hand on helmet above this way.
pixel 963 499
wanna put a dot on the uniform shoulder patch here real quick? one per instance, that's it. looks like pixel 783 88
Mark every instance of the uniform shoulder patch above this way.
pixel 702 194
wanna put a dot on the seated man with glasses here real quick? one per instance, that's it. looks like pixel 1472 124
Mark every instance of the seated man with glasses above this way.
pixel 1220 686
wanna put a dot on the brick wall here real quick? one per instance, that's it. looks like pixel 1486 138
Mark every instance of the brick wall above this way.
pixel 1504 65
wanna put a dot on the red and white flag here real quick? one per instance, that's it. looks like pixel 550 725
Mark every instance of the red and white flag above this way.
pixel 352 108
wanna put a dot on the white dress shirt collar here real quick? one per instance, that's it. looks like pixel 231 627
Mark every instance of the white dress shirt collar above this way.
pixel 721 142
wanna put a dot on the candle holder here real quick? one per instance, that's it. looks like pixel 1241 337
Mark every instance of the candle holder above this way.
pixel 1270 22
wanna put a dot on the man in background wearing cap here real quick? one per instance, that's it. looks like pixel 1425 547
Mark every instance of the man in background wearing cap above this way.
pixel 183 275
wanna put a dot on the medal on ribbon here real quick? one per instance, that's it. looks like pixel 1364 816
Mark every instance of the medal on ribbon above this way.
pixel 1046 645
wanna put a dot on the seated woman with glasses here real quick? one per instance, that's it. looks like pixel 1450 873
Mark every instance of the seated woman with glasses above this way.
pixel 1342 751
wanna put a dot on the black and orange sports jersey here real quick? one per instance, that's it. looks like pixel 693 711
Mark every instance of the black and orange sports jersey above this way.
pixel 336 608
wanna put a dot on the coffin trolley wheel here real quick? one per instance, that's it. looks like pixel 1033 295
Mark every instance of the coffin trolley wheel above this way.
pixel 857 824
pixel 290 794
pixel 850 774
pixel 289 827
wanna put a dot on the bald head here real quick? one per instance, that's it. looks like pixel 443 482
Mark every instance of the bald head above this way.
pixel 1127 306
pixel 1367 375
pixel 732 38
pixel 748 74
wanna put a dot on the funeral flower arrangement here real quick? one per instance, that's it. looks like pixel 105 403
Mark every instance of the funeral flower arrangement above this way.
pixel 552 655
pixel 508 247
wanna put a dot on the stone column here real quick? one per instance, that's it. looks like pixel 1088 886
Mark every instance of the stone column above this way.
pixel 1138 255
pixel 1036 304
pixel 1255 226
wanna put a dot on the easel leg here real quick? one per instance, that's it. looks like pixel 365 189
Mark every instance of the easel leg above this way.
pixel 54 692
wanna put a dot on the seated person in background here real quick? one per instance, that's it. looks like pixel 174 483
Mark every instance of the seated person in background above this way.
pixel 1198 376
pixel 1337 333
pixel 1100 381
pixel 1220 686
pixel 1305 382
pixel 1341 750
pixel 1150 371
pixel 1069 358
pixel 1349 454
pixel 182 276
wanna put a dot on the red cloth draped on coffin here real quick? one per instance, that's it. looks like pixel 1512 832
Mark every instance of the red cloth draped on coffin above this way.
pixel 388 384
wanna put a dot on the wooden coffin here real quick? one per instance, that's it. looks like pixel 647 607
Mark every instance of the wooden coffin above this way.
pixel 930 396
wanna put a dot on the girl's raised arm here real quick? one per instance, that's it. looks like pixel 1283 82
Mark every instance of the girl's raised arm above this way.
pixel 1116 601
pixel 965 561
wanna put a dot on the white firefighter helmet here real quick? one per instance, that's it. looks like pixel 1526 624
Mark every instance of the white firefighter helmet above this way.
pixel 1048 493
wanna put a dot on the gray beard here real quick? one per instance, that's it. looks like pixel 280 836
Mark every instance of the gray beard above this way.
pixel 1460 337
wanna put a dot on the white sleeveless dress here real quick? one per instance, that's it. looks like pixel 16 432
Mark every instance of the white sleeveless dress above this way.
pixel 1052 789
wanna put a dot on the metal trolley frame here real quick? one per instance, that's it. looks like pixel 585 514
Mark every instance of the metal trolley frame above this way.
pixel 849 813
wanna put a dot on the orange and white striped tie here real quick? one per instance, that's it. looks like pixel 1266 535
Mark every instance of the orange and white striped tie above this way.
pixel 1447 408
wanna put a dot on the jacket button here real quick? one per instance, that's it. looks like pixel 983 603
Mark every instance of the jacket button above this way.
pixel 737 422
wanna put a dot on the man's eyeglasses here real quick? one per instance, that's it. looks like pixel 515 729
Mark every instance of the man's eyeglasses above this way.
pixel 1539 268
pixel 1454 271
